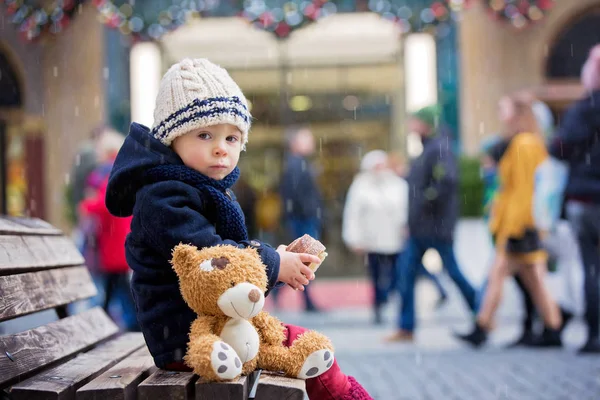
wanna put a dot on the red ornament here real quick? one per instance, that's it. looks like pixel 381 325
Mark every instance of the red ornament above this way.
pixel 114 21
pixel 266 19
pixel 545 4
pixel 523 6
pixel 312 11
pixel 64 22
pixel 11 9
pixel 283 29
pixel 438 9
pixel 68 4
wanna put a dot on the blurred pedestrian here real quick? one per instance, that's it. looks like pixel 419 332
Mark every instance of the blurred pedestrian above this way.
pixel 246 197
pixel 375 224
pixel 300 194
pixel 111 232
pixel 577 141
pixel 433 212
pixel 494 149
pixel 517 240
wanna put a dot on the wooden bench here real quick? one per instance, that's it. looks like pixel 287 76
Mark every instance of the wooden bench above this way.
pixel 84 356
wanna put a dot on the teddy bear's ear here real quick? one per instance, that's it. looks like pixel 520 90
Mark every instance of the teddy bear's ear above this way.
pixel 253 252
pixel 184 259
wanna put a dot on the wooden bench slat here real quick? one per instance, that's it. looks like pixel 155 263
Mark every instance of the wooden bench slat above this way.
pixel 36 291
pixel 64 250
pixel 61 382
pixel 20 254
pixel 168 385
pixel 271 387
pixel 30 226
pixel 234 390
pixel 121 380
pixel 27 352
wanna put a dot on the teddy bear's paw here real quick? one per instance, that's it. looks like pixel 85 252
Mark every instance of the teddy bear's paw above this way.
pixel 316 364
pixel 225 361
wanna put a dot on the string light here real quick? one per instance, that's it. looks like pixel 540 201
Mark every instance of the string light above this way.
pixel 519 13
pixel 33 20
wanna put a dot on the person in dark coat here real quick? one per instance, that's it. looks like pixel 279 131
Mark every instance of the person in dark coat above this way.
pixel 432 216
pixel 300 194
pixel 577 142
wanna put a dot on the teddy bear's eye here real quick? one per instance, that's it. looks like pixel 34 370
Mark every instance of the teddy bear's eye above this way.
pixel 232 283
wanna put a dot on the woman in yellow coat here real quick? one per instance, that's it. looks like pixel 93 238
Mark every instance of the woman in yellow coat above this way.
pixel 518 243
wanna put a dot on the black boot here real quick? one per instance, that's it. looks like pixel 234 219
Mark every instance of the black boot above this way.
pixel 549 338
pixel 378 319
pixel 476 338
pixel 592 346
pixel 566 317
pixel 528 338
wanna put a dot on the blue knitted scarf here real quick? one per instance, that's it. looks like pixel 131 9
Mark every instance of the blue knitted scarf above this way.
pixel 229 221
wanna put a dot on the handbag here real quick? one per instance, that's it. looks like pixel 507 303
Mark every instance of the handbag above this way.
pixel 528 243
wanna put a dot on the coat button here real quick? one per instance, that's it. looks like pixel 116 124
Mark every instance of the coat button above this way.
pixel 254 243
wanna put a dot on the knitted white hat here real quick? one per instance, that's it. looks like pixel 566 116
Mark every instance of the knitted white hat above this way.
pixel 195 94
pixel 372 159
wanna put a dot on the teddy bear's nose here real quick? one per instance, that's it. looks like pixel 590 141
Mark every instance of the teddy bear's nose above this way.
pixel 254 296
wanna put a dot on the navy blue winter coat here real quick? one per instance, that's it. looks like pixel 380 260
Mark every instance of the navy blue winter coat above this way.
pixel 165 214
pixel 433 191
pixel 578 142
pixel 299 191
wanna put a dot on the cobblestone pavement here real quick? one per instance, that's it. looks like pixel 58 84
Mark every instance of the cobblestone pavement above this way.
pixel 465 374
pixel 436 365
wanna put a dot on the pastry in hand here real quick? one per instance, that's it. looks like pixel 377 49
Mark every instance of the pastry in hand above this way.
pixel 309 245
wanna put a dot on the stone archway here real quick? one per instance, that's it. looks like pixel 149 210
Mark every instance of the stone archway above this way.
pixel 571 46
pixel 10 88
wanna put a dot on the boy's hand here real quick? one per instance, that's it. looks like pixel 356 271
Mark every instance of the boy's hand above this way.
pixel 292 269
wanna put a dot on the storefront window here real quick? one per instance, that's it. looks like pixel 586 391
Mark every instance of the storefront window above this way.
pixel 347 121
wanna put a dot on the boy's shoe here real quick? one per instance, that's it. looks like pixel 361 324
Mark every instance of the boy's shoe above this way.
pixel 400 336
pixel 549 338
pixel 592 346
pixel 476 338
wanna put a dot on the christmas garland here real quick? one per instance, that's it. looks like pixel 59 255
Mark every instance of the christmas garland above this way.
pixel 33 20
pixel 434 19
pixel 282 19
pixel 519 13
pixel 145 22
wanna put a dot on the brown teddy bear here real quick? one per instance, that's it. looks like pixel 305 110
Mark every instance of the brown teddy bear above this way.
pixel 225 286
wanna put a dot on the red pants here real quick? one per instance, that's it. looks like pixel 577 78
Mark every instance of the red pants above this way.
pixel 332 385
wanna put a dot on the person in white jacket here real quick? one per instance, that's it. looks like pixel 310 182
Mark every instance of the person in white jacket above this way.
pixel 375 223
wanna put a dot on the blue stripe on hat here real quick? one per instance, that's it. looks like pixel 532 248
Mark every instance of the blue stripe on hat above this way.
pixel 177 119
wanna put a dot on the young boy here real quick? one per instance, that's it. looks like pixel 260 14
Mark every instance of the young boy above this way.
pixel 175 180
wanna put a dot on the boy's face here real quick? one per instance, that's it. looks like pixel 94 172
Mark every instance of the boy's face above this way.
pixel 213 151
